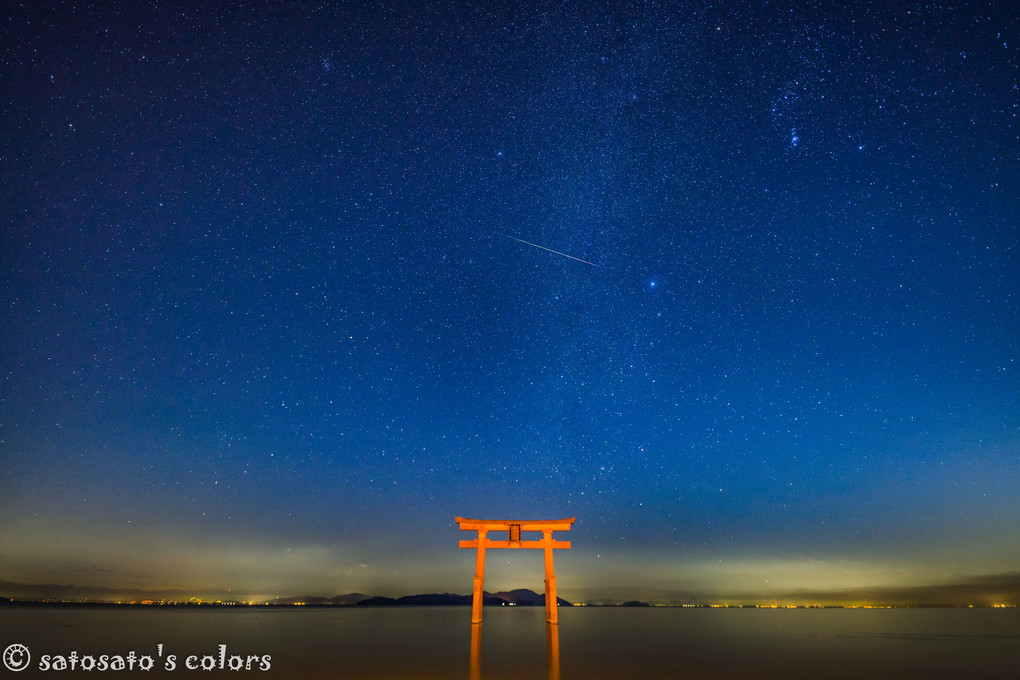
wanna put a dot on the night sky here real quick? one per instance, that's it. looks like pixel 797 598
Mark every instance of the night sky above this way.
pixel 286 287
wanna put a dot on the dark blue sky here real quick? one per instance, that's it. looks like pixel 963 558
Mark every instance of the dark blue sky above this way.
pixel 272 315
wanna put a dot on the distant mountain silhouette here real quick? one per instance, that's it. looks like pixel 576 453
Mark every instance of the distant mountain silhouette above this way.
pixel 431 599
pixel 520 597
pixel 523 597
pixel 377 600
pixel 349 599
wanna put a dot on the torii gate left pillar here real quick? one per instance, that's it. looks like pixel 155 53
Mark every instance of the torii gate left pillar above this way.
pixel 514 529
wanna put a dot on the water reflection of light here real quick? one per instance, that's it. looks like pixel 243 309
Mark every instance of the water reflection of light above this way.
pixel 552 651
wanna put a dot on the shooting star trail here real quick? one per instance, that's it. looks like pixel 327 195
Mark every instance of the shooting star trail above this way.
pixel 520 240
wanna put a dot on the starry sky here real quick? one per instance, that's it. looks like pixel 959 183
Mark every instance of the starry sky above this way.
pixel 287 286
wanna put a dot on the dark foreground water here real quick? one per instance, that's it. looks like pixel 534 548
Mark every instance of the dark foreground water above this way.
pixel 588 643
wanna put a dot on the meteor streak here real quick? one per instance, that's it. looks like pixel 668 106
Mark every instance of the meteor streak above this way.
pixel 520 240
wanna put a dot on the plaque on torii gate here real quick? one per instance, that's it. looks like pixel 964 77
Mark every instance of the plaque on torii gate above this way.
pixel 514 529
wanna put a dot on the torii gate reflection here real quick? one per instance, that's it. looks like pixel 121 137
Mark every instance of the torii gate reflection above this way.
pixel 552 651
pixel 514 529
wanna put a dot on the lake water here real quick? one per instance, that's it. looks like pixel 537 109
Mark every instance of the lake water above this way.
pixel 515 642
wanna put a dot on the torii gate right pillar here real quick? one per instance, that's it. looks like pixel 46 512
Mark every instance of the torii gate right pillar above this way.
pixel 551 610
pixel 478 593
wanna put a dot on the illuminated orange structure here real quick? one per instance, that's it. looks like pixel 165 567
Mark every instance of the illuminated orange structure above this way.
pixel 514 529
pixel 552 651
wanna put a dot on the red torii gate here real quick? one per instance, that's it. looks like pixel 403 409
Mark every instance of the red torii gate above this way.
pixel 514 528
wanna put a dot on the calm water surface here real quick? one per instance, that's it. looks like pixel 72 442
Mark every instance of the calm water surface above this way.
pixel 427 642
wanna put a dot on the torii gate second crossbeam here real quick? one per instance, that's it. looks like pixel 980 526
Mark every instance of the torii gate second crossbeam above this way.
pixel 514 528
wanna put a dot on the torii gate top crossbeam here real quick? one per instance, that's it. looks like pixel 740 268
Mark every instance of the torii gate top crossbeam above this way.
pixel 505 524
pixel 514 529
